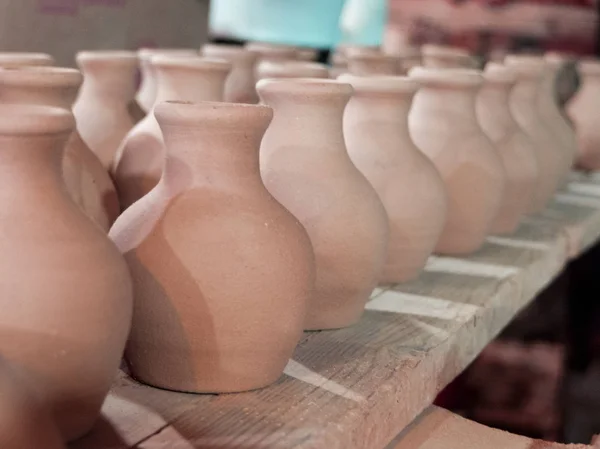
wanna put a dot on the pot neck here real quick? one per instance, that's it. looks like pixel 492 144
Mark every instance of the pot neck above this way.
pixel 523 99
pixel 31 165
pixel 311 118
pixel 384 108
pixel 455 104
pixel 212 148
pixel 109 81
pixel 62 97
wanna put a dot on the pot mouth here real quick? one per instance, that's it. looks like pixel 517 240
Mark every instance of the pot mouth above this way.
pixel 380 84
pixel 228 52
pixel 146 54
pixel 443 51
pixel 499 74
pixel 41 76
pixel 200 63
pixel 430 76
pixel 21 119
pixel 292 69
pixel 305 86
pixel 108 56
pixel 186 113
pixel 272 50
pixel 16 59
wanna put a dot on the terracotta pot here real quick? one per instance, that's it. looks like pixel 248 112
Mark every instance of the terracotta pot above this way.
pixel 443 124
pixel 523 104
pixel 514 147
pixel 140 159
pixel 409 186
pixel 240 85
pixel 582 110
pixel 146 94
pixel 306 167
pixel 440 56
pixel 291 69
pixel 220 297
pixel 16 59
pixel 102 107
pixel 87 181
pixel 24 421
pixel 547 108
pixel 65 293
pixel 374 64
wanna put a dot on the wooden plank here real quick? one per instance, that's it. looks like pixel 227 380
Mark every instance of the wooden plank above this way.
pixel 437 428
pixel 359 387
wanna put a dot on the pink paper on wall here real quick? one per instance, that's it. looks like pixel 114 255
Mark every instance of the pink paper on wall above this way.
pixel 59 7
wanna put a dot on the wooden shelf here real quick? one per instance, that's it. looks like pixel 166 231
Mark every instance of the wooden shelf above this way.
pixel 359 387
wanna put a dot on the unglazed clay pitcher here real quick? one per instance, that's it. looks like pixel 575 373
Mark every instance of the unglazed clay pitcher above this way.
pixel 367 64
pixel 17 59
pixel 146 94
pixel 87 181
pixel 222 271
pixel 306 167
pixel 583 110
pixel 523 104
pixel 443 57
pixel 444 126
pixel 102 107
pixel 291 69
pixel 514 147
pixel 140 159
pixel 24 421
pixel 65 291
pixel 409 186
pixel 240 85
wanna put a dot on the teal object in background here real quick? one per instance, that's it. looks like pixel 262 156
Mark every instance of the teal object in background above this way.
pixel 307 23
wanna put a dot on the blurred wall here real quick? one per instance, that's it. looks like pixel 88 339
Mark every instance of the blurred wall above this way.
pixel 63 27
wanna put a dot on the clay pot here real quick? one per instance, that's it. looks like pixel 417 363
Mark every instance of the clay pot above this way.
pixel 86 179
pixel 16 59
pixel 65 291
pixel 240 85
pixel 523 105
pixel 24 421
pixel 140 159
pixel 146 94
pixel 440 56
pixel 373 64
pixel 547 108
pixel 223 272
pixel 583 111
pixel 102 107
pixel 291 69
pixel 443 124
pixel 306 167
pixel 409 186
pixel 514 147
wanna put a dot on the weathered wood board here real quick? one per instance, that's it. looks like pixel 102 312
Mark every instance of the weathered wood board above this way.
pixel 359 387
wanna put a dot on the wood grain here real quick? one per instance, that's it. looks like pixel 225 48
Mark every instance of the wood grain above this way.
pixel 437 428
pixel 359 387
